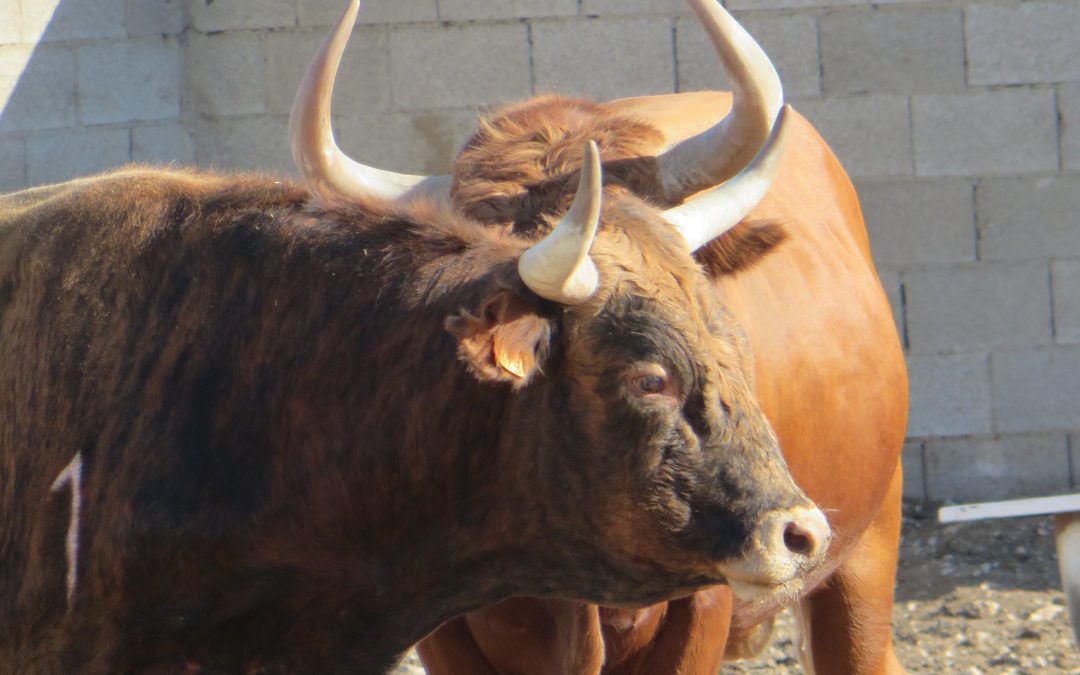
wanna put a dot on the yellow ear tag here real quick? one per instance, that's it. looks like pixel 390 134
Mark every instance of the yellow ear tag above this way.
pixel 513 365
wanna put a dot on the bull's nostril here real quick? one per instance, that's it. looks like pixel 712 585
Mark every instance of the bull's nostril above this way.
pixel 798 540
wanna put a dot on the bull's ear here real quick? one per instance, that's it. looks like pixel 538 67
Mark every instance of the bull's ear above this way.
pixel 503 340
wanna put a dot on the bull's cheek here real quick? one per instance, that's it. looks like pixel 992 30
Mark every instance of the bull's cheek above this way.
pixel 672 513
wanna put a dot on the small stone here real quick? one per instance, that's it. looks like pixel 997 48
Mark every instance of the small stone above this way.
pixel 1045 613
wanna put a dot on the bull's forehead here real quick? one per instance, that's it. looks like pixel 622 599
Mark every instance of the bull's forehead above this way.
pixel 635 245
pixel 639 256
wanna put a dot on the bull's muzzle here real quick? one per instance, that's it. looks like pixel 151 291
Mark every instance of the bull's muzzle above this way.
pixel 784 549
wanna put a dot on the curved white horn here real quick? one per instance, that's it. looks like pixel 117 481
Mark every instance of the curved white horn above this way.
pixel 705 218
pixel 558 267
pixel 720 152
pixel 316 153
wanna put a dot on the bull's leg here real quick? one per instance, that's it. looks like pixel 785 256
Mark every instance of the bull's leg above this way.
pixel 519 635
pixel 452 648
pixel 850 616
pixel 690 641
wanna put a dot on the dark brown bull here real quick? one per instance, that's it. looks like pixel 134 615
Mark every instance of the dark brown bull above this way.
pixel 248 429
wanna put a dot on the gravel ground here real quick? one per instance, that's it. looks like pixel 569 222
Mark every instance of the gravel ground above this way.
pixel 972 599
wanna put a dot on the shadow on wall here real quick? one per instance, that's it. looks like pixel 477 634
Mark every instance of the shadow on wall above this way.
pixel 86 85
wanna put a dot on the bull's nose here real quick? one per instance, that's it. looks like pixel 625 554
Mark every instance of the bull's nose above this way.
pixel 805 532
pixel 786 547
pixel 795 537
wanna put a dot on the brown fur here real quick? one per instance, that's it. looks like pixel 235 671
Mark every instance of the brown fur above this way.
pixel 289 463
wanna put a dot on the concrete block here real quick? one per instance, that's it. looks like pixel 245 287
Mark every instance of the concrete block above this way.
pixel 423 142
pixel 977 307
pixel 58 20
pixel 362 83
pixel 604 58
pixel 790 41
pixel 12 164
pixel 458 66
pixel 10 27
pixel 255 143
pixel 327 12
pixel 1065 284
pixel 1031 218
pixel 62 155
pixel 154 17
pixel 1022 43
pixel 911 460
pixel 162 144
pixel 226 74
pixel 919 221
pixel 1074 459
pixel 124 80
pixel 40 86
pixel 789 4
pixel 13 59
pixel 950 395
pixel 989 469
pixel 1037 390
pixel 1069 111
pixel 611 7
pixel 219 15
pixel 985 132
pixel 901 50
pixel 478 10
pixel 870 134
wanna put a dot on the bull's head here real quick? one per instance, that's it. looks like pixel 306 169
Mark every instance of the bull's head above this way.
pixel 633 387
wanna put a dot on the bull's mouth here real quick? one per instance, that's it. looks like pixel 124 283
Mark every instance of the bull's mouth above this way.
pixel 756 591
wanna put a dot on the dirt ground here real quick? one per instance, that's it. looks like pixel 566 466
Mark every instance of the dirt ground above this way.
pixel 972 599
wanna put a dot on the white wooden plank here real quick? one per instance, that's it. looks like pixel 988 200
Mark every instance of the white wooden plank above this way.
pixel 1010 509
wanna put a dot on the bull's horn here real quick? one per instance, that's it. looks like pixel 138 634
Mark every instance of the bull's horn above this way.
pixel 558 267
pixel 317 155
pixel 704 218
pixel 720 152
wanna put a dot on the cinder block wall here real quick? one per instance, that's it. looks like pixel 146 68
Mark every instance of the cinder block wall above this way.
pixel 958 119
pixel 89 84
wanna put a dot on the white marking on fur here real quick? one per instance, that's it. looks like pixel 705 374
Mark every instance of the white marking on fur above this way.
pixel 72 475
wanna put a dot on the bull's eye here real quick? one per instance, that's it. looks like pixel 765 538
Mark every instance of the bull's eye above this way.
pixel 650 384
pixel 650 380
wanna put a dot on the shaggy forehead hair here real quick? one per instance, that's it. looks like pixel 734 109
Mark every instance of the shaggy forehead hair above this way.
pixel 521 165
pixel 520 169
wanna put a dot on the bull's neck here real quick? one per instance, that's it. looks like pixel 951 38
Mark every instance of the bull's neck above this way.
pixel 399 451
